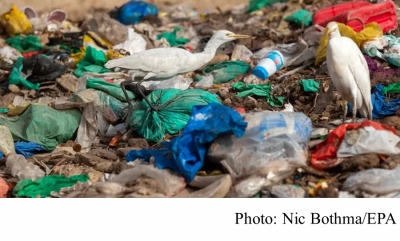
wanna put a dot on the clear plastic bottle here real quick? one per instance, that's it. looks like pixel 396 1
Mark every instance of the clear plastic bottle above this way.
pixel 23 169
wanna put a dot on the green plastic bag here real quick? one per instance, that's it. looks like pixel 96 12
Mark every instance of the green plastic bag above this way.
pixel 301 17
pixel 226 71
pixel 43 187
pixel 172 38
pixel 69 49
pixel 15 77
pixel 93 62
pixel 392 88
pixel 258 90
pixel 310 85
pixel 43 125
pixel 25 44
pixel 112 89
pixel 255 5
pixel 175 108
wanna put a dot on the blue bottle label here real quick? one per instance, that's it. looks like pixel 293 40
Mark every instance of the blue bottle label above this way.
pixel 277 58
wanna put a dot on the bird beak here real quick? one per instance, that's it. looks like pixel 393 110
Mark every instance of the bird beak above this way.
pixel 329 31
pixel 238 36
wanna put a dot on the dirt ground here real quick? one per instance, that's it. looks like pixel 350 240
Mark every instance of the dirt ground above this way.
pixel 78 7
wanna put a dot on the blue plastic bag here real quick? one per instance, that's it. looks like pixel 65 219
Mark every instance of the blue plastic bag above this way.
pixel 381 109
pixel 133 11
pixel 27 149
pixel 185 154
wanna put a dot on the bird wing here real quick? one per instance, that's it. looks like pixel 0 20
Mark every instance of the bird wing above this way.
pixel 359 68
pixel 158 60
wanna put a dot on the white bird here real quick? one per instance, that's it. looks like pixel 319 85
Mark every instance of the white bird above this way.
pixel 349 72
pixel 164 63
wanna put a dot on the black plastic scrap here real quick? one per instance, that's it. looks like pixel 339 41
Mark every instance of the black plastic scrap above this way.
pixel 42 69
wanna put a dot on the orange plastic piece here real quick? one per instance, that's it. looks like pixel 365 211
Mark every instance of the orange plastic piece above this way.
pixel 4 188
pixel 114 141
pixel 241 110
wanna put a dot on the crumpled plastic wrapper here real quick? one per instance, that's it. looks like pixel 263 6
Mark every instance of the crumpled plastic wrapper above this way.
pixel 107 28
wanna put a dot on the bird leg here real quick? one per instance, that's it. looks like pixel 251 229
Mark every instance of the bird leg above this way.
pixel 136 90
pixel 123 87
pixel 354 110
pixel 344 111
pixel 144 96
pixel 124 90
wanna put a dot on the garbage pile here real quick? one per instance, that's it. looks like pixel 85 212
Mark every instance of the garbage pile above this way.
pixel 165 101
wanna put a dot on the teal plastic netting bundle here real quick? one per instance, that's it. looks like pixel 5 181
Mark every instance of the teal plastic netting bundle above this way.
pixel 175 108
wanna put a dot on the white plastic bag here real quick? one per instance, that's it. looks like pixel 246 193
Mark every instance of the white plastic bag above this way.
pixel 134 44
pixel 376 181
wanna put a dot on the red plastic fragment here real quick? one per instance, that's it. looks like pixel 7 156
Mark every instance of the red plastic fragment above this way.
pixel 358 14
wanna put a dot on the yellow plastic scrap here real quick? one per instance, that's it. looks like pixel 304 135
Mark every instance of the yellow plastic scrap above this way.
pixel 202 173
pixel 95 41
pixel 371 31
pixel 17 110
pixel 15 22
pixel 162 14
pixel 78 56
pixel 213 173
pixel 202 16
pixel 114 54
pixel 89 41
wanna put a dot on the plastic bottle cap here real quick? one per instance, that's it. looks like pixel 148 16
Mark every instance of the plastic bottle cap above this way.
pixel 260 72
